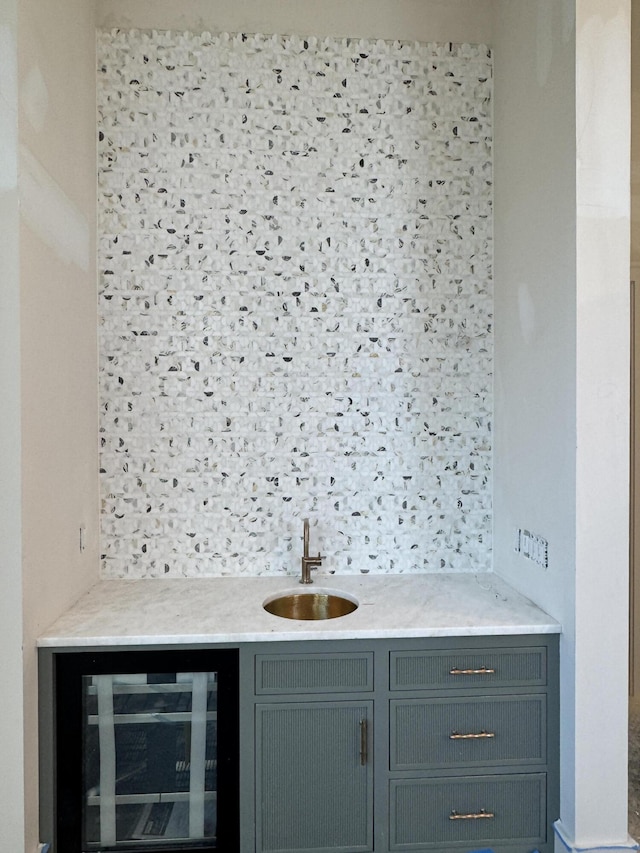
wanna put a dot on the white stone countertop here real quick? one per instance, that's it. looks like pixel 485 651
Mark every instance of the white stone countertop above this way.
pixel 222 610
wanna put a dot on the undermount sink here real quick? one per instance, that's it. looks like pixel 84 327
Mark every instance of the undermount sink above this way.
pixel 316 604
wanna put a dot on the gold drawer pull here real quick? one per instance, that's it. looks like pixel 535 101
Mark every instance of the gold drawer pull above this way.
pixel 482 671
pixel 475 736
pixel 477 816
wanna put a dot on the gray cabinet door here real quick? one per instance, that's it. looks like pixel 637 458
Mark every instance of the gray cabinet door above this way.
pixel 314 783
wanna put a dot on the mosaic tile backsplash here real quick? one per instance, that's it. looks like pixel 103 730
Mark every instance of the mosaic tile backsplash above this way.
pixel 296 304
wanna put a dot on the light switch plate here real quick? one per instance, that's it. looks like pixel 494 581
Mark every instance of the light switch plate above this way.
pixel 532 546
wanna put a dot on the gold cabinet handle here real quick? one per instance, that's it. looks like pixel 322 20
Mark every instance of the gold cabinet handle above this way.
pixel 471 736
pixel 363 742
pixel 482 671
pixel 473 816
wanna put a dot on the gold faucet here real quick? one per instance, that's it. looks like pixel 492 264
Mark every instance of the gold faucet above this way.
pixel 308 562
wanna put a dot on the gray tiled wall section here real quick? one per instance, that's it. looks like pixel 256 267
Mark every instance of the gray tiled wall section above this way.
pixel 295 303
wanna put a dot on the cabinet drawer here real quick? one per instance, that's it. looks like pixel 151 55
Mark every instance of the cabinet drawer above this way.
pixel 468 668
pixel 314 673
pixel 483 810
pixel 483 730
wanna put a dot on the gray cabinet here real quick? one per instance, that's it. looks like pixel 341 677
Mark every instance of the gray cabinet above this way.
pixel 482 731
pixel 314 774
pixel 473 746
pixel 423 745
pixel 473 666
pixel 469 812
pixel 463 734
pixel 314 783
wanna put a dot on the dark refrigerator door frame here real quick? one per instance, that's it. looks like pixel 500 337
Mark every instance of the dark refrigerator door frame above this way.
pixel 70 667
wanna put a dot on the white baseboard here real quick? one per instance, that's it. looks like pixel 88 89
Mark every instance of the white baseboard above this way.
pixel 564 844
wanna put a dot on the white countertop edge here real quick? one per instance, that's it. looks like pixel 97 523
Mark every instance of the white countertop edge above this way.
pixel 288 636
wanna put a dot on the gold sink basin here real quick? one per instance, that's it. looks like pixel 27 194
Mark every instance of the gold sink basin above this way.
pixel 319 604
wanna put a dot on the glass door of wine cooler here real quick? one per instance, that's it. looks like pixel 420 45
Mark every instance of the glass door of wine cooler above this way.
pixel 156 749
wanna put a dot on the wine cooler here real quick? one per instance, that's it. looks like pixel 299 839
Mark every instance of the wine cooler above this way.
pixel 146 751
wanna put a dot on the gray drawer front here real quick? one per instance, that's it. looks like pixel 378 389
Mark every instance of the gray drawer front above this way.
pixel 468 668
pixel 314 673
pixel 422 811
pixel 483 730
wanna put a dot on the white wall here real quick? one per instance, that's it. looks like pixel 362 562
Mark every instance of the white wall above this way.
pixel 534 432
pixel 562 363
pixel 435 20
pixel 602 349
pixel 48 449
pixel 535 305
pixel 635 277
pixel 11 728
pixel 635 141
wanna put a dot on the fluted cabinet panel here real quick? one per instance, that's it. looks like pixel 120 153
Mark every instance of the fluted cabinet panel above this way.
pixel 314 673
pixel 313 790
pixel 494 730
pixel 468 668
pixel 435 813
